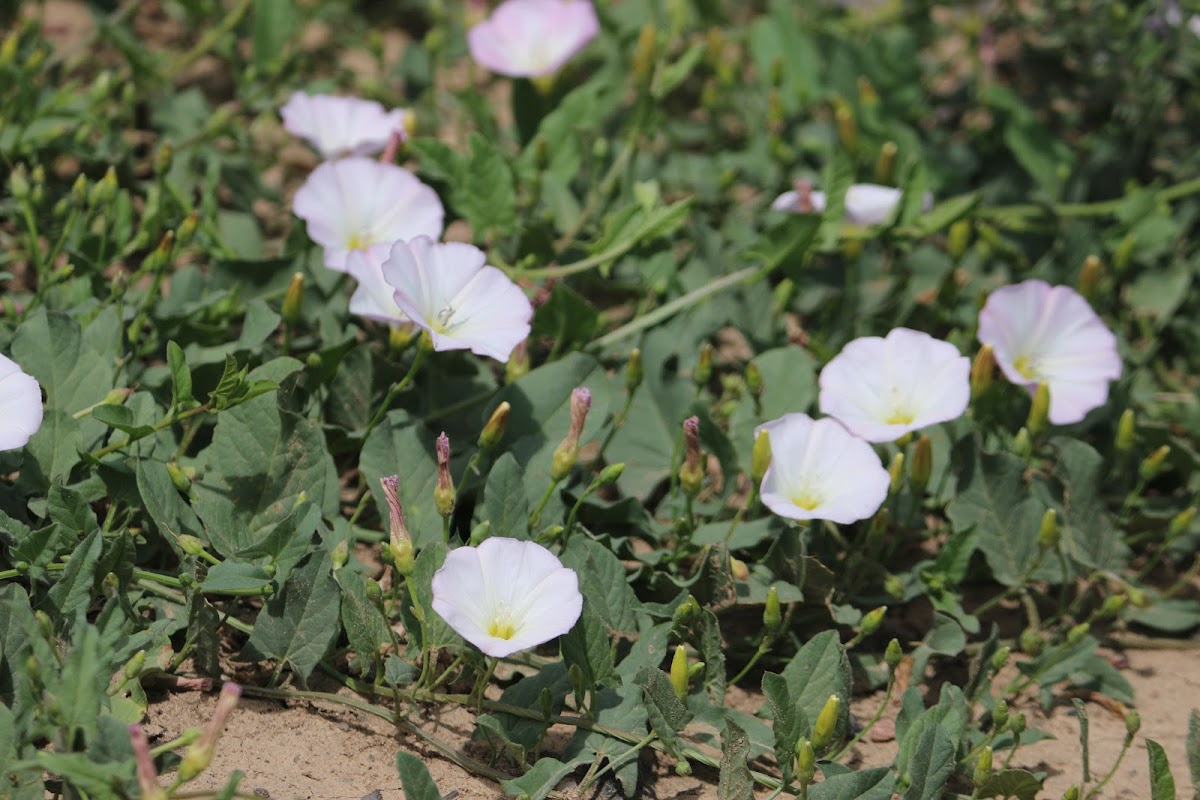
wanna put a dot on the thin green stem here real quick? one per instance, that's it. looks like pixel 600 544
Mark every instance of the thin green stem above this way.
pixel 741 513
pixel 887 698
pixel 536 516
pixel 209 40
pixel 403 383
pixel 166 421
pixel 614 763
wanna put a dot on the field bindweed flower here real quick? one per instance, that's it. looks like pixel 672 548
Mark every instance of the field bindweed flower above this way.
pixel 866 203
pixel 819 470
pixel 20 405
pixel 882 388
pixel 532 38
pixel 1049 334
pixel 358 203
pixel 373 298
pixel 506 595
pixel 448 290
pixel 342 126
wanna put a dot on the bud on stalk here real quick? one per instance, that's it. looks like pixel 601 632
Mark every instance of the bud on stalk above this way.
pixel 494 430
pixel 679 673
pixel 443 493
pixel 567 451
pixel 691 473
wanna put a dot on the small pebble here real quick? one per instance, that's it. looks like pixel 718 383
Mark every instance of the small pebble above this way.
pixel 884 731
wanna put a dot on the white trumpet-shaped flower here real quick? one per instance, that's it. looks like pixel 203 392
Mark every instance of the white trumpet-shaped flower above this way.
pixel 20 405
pixel 373 298
pixel 882 388
pixel 819 470
pixel 866 203
pixel 357 203
pixel 1049 334
pixel 506 595
pixel 532 38
pixel 448 290
pixel 341 126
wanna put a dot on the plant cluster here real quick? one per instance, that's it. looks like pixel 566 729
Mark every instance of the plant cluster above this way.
pixel 651 350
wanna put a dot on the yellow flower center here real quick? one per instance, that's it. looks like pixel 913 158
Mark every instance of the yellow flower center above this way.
pixel 501 628
pixel 357 242
pixel 1026 366
pixel 900 416
pixel 807 499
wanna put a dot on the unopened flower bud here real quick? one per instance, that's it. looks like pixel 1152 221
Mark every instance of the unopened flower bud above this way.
pixel 983 369
pixel 1123 256
pixel 738 569
pixel 199 755
pixel 760 456
pixel 1039 410
pixel 1133 723
pixel 480 532
pixel 147 775
pixel 443 493
pixel 1153 463
pixel 695 671
pixel 1031 642
pixel 983 767
pixel 1049 532
pixel 847 129
pixel 1017 723
pixel 1113 604
pixel 567 451
pixel 293 300
pixel 187 229
pixel 18 182
pixel 518 363
pixel 1091 274
pixel 872 620
pixel 959 239
pixel 633 370
pixel 1072 793
pixel 644 55
pixel 879 524
pixel 340 554
pixel 608 476
pixel 494 430
pixel 549 534
pixel 896 474
pixel 1181 522
pixel 893 654
pixel 133 667
pixel 685 611
pixel 163 158
pixel 806 762
pixel 1137 597
pixel 772 611
pixel 1000 715
pixel 400 546
pixel 691 472
pixel 1000 659
pixel 190 545
pixel 1022 445
pixel 704 366
pixel 885 164
pixel 754 380
pixel 679 673
pixel 826 724
pixel 894 587
pixel 1077 633
pixel 921 467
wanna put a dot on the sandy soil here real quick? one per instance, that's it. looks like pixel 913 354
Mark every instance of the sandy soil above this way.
pixel 322 750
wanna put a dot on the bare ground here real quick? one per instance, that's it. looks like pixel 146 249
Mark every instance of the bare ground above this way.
pixel 322 750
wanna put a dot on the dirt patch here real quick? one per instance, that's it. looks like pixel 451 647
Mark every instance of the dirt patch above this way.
pixel 322 750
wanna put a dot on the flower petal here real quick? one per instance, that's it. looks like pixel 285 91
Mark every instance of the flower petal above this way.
pixel 20 405
pixel 530 38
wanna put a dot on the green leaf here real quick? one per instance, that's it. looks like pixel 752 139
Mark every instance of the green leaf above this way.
pixel 300 623
pixel 181 376
pixel 667 715
pixel 994 499
pixel 1018 783
pixel 504 503
pixel 1193 746
pixel 72 591
pixel 670 76
pixel 50 346
pixel 1089 535
pixel 867 784
pixel 541 779
pixel 735 781
pixel 818 670
pixel 566 318
pixel 364 624
pixel 53 450
pixel 602 582
pixel 787 721
pixel 162 501
pixel 79 688
pixel 273 22
pixel 121 418
pixel 68 508
pixel 946 213
pixel 415 778
pixel 1162 782
pixel 487 198
pixel 232 577
pixel 436 632
pixel 588 646
pixel 931 766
